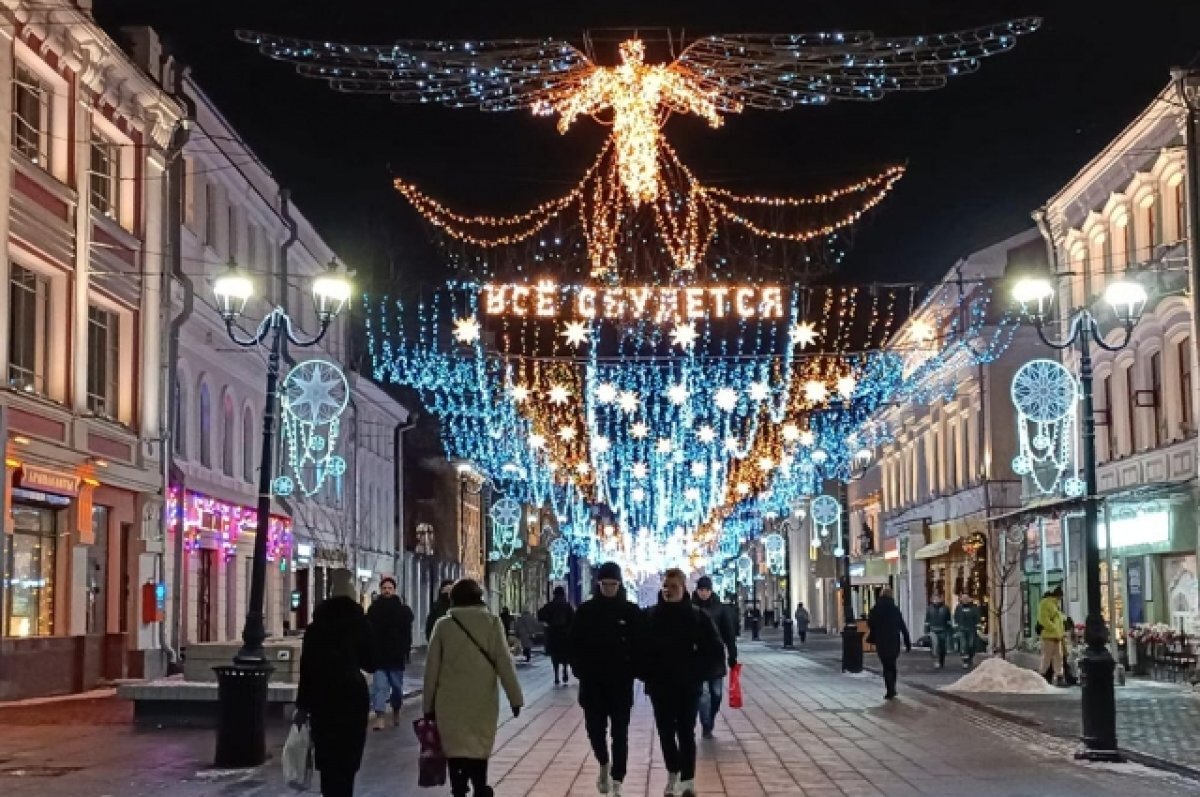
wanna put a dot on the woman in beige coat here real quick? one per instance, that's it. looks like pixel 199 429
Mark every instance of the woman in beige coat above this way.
pixel 467 654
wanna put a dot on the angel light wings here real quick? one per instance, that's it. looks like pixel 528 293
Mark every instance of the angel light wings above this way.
pixel 712 77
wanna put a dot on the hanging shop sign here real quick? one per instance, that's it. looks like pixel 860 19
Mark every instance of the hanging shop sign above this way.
pixel 1145 528
pixel 52 481
pixel 548 299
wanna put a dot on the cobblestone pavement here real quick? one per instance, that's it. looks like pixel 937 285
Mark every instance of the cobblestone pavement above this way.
pixel 1155 719
pixel 805 730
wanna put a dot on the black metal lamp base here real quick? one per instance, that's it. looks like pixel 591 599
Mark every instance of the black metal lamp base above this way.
pixel 1097 667
pixel 852 648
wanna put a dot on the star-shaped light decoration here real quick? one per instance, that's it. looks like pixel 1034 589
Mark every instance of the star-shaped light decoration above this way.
pixel 815 391
pixel 731 444
pixel 692 494
pixel 639 431
pixel 706 434
pixel 765 464
pixel 640 471
pixel 819 455
pixel 537 441
pixel 684 335
pixel 846 385
pixel 637 494
pixel 559 394
pixel 743 488
pixel 807 438
pixel 601 444
pixel 606 393
pixel 566 433
pixel 699 469
pixel 677 393
pixel 922 331
pixel 803 334
pixel 663 446
pixel 576 332
pixel 629 401
pixel 790 432
pixel 466 330
pixel 582 467
pixel 519 393
pixel 759 391
pixel 726 398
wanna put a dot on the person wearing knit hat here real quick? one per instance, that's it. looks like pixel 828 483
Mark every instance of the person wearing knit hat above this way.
pixel 712 690
pixel 602 657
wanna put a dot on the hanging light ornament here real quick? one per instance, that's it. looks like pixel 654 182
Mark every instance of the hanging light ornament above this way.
pixel 1046 396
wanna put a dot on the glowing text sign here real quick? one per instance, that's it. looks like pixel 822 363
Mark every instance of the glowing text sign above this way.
pixel 547 299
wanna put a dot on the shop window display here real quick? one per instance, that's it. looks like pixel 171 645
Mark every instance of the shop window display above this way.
pixel 29 588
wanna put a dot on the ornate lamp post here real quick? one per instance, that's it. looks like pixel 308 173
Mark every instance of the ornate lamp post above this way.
pixel 1127 299
pixel 243 687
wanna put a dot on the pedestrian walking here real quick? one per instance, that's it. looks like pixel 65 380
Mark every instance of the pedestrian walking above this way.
pixel 391 624
pixel 937 625
pixel 467 655
pixel 440 606
pixel 332 694
pixel 557 616
pixel 1051 628
pixel 713 687
pixel 966 621
pixel 886 628
pixel 526 627
pixel 803 621
pixel 602 656
pixel 679 648
pixel 506 618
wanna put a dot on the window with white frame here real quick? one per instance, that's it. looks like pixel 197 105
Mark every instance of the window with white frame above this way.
pixel 105 176
pixel 210 214
pixel 1184 349
pixel 103 368
pixel 248 466
pixel 232 231
pixel 31 116
pixel 189 192
pixel 227 417
pixel 28 329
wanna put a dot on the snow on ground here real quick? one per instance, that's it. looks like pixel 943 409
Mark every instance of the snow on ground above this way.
pixel 998 675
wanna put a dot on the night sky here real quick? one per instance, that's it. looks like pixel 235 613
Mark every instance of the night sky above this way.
pixel 982 153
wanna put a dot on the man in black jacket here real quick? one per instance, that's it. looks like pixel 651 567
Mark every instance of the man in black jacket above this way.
pixel 391 623
pixel 713 686
pixel 557 616
pixel 440 606
pixel 678 651
pixel 602 656
pixel 886 627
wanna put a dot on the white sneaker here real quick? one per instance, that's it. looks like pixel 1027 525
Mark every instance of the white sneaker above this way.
pixel 603 781
pixel 672 789
pixel 616 789
pixel 687 788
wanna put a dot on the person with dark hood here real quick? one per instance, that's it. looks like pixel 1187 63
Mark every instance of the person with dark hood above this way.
pixel 713 687
pixel 937 625
pixel 803 620
pixel 679 647
pixel 332 694
pixel 391 622
pixel 887 627
pixel 557 616
pixel 966 622
pixel 439 608
pixel 602 656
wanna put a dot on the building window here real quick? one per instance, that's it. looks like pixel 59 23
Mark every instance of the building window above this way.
pixel 1131 253
pixel 105 176
pixel 227 420
pixel 189 192
pixel 31 116
pixel 251 246
pixel 28 329
pixel 1185 385
pixel 1131 408
pixel 1156 388
pixel 233 232
pixel 210 214
pixel 103 370
pixel 179 427
pixel 248 446
pixel 1181 224
pixel 205 427
pixel 1110 420
pixel 1151 212
pixel 29 585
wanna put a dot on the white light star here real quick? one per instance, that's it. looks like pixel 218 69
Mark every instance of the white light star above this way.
pixel 766 464
pixel 582 467
pixel 663 446
pixel 807 438
pixel 566 433
pixel 790 432
pixel 706 434
pixel 743 488
pixel 629 401
pixel 637 494
pixel 466 330
pixel 759 391
pixel 537 441
pixel 559 394
pixel 640 471
pixel 639 430
pixel 576 332
pixel 692 494
pixel 846 385
pixel 606 393
pixel 803 334
pixel 519 393
pixel 922 331
pixel 819 456
pixel 684 335
pixel 699 469
pixel 677 393
pixel 601 444
pixel 726 398
pixel 815 391
pixel 731 444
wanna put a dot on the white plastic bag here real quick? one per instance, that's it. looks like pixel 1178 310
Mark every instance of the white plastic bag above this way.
pixel 297 758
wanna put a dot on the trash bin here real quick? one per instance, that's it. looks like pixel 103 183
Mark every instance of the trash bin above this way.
pixel 241 715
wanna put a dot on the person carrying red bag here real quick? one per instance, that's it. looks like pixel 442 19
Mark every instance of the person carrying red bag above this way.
pixel 712 687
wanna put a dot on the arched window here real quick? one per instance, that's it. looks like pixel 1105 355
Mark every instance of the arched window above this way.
pixel 227 435
pixel 179 422
pixel 248 466
pixel 205 426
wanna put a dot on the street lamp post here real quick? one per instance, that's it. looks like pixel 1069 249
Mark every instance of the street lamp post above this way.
pixel 1127 300
pixel 242 693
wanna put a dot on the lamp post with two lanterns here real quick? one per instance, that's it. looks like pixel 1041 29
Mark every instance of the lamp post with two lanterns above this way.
pixel 242 693
pixel 1127 299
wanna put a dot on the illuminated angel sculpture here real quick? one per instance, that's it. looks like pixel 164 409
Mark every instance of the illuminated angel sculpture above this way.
pixel 715 75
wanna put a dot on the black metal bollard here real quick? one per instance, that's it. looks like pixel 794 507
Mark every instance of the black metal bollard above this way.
pixel 241 715
pixel 787 633
pixel 754 630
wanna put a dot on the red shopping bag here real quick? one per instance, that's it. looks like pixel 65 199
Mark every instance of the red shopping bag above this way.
pixel 735 686
pixel 431 770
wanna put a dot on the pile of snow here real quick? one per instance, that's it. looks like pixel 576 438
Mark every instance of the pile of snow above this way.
pixel 998 675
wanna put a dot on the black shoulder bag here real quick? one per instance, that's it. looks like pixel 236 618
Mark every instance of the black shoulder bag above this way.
pixel 478 647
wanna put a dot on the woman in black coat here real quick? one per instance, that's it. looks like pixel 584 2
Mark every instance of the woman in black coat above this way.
pixel 887 626
pixel 332 693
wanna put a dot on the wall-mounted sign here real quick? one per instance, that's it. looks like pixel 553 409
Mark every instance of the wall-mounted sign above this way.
pixel 51 481
pixel 1144 528
pixel 858 570
pixel 295 602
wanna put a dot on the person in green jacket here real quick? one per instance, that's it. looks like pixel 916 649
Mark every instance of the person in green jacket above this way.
pixel 966 619
pixel 1050 629
pixel 937 625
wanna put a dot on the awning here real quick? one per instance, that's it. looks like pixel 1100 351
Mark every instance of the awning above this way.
pixel 934 549
pixel 869 581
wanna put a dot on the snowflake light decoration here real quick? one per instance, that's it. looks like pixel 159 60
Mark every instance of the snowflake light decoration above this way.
pixel 313 396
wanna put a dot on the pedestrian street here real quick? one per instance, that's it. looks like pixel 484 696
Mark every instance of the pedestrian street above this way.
pixel 805 729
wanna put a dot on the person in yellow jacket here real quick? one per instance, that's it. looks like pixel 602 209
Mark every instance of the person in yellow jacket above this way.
pixel 1050 627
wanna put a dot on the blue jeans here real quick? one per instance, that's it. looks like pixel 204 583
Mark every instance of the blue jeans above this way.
pixel 711 693
pixel 387 686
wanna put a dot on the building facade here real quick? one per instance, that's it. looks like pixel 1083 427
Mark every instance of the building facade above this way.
pixel 86 135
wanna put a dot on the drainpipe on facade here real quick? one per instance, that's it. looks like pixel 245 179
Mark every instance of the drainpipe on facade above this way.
pixel 1191 149
pixel 170 369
